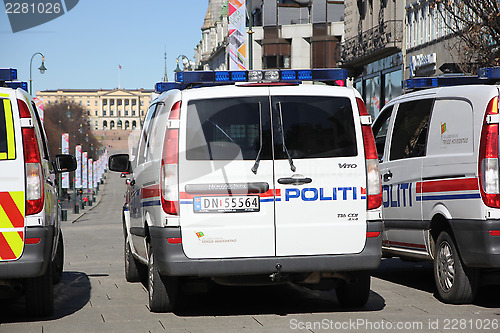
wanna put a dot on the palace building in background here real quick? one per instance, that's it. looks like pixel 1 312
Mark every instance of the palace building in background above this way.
pixel 107 109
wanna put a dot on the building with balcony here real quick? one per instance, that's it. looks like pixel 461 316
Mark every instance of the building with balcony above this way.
pixel 107 109
pixel 373 49
pixel 281 34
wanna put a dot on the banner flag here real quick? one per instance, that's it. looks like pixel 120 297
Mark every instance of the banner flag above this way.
pixel 78 172
pixel 65 150
pixel 237 35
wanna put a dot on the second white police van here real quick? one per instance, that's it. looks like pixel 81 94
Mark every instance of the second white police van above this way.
pixel 439 154
pixel 259 182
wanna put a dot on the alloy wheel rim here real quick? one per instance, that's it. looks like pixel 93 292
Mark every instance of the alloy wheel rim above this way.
pixel 446 267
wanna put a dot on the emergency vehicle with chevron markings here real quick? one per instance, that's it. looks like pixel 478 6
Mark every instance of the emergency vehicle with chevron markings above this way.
pixel 439 160
pixel 253 177
pixel 31 243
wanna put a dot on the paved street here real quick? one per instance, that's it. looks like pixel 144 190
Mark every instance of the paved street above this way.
pixel 94 296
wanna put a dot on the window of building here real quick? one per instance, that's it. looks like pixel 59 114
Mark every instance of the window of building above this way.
pixel 111 102
pixel 104 112
pixel 104 124
pixel 119 102
pixel 127 102
pixel 104 102
pixel 126 112
pixel 134 102
pixel 111 124
pixel 111 113
pixel 372 91
pixel 133 113
pixel 96 113
pixel 95 103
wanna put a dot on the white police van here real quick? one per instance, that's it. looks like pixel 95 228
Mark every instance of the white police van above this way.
pixel 439 157
pixel 31 242
pixel 264 181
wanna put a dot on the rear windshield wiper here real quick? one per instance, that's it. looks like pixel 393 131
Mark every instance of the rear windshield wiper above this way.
pixel 285 150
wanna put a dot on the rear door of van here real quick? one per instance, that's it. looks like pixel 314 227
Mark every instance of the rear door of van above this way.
pixel 226 173
pixel 319 171
pixel 12 181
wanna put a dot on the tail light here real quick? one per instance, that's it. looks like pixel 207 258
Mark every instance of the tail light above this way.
pixel 33 166
pixel 373 181
pixel 169 166
pixel 488 157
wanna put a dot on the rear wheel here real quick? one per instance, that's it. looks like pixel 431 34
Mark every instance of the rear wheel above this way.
pixel 132 271
pixel 456 284
pixel 355 291
pixel 163 290
pixel 40 294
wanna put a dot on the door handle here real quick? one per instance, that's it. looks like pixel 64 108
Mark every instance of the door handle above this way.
pixel 294 180
pixel 387 176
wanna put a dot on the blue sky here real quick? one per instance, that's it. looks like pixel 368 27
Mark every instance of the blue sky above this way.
pixel 84 47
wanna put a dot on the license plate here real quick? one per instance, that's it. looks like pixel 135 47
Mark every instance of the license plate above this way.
pixel 226 204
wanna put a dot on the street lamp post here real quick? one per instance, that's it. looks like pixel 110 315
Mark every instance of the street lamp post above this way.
pixel 42 69
pixel 186 64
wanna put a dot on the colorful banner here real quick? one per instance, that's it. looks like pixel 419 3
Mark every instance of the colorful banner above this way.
pixel 91 174
pixel 95 173
pixel 84 170
pixel 237 35
pixel 78 172
pixel 65 150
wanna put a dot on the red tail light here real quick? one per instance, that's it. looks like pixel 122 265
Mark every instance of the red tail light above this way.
pixel 488 157
pixel 169 166
pixel 33 166
pixel 373 181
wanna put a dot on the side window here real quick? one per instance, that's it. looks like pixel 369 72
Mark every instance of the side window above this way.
pixel 380 128
pixel 409 137
pixel 144 141
pixel 45 148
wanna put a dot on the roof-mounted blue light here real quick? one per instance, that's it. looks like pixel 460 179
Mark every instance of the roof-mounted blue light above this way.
pixel 285 75
pixel 440 81
pixel 161 87
pixel 8 74
pixel 17 84
pixel 489 73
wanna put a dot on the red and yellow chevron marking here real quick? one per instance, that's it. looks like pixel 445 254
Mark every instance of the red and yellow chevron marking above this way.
pixel 11 225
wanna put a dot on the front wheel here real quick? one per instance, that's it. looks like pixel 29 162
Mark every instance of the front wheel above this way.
pixel 456 284
pixel 355 291
pixel 132 268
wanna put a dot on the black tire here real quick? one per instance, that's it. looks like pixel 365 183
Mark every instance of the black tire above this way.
pixel 455 283
pixel 40 294
pixel 132 271
pixel 58 263
pixel 162 290
pixel 355 292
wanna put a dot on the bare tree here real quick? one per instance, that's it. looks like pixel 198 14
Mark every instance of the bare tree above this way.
pixel 475 25
pixel 73 120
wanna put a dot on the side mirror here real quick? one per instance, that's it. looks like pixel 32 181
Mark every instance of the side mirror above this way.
pixel 119 163
pixel 64 163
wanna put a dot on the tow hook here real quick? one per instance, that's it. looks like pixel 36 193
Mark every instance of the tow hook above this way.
pixel 276 276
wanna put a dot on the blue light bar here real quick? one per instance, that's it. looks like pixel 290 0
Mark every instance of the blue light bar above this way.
pixel 440 81
pixel 166 86
pixel 8 74
pixel 18 84
pixel 284 75
pixel 489 73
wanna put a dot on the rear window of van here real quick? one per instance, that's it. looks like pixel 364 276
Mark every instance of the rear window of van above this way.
pixel 238 128
pixel 7 142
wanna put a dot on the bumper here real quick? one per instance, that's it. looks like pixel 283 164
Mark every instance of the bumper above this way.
pixel 171 259
pixel 476 246
pixel 35 258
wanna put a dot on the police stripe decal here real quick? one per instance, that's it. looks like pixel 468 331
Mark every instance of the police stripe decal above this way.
pixel 433 190
pixel 9 132
pixel 11 225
